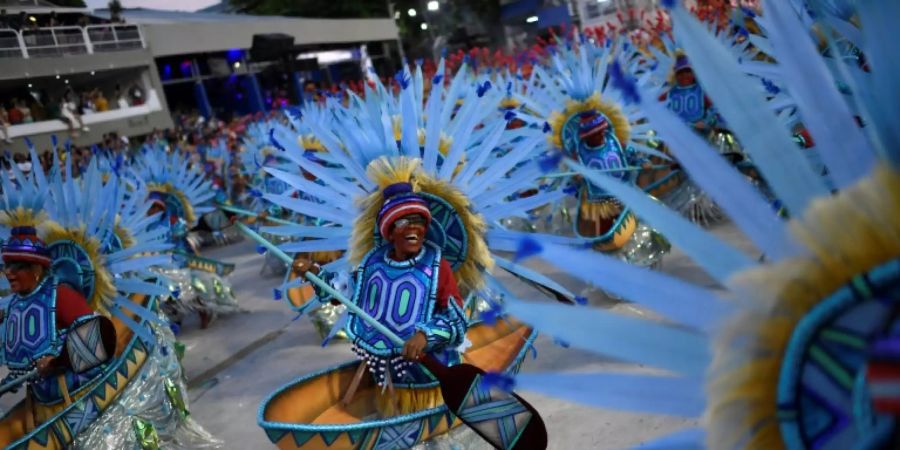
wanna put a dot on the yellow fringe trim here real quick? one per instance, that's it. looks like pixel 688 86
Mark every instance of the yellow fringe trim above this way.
pixel 104 289
pixel 617 119
pixel 407 401
pixel 510 102
pixel 844 235
pixel 124 234
pixel 444 142
pixel 166 188
pixel 599 210
pixel 22 217
pixel 310 142
pixel 385 172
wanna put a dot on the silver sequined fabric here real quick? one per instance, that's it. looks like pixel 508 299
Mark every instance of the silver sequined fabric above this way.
pixel 198 290
pixel 146 398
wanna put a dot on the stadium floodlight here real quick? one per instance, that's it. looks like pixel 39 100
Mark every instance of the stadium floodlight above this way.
pixel 433 5
pixel 411 12
pixel 531 19
pixel 424 26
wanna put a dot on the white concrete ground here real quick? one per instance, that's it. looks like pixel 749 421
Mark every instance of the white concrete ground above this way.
pixel 240 359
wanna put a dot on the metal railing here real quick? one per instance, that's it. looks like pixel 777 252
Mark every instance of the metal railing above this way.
pixel 113 37
pixel 10 44
pixel 58 41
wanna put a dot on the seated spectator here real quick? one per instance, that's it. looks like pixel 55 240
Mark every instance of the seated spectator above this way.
pixel 87 104
pixel 4 125
pixel 69 112
pixel 121 99
pixel 137 95
pixel 25 111
pixel 21 23
pixel 100 102
pixel 15 116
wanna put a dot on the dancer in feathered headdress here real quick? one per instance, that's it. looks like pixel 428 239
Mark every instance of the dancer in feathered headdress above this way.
pixel 801 353
pixel 589 121
pixel 182 194
pixel 83 316
pixel 419 225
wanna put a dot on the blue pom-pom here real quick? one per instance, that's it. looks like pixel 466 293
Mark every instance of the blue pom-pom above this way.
pixel 550 162
pixel 770 86
pixel 490 316
pixel 581 300
pixel 295 112
pixel 527 248
pixel 482 88
pixel 256 193
pixel 437 79
pixel 498 380
pixel 176 293
pixel 561 343
pixel 260 249
pixel 624 83
pixel 402 79
pixel 547 127
pixel 509 116
pixel 176 330
pixel 276 294
pixel 668 3
pixel 54 141
pixel 164 350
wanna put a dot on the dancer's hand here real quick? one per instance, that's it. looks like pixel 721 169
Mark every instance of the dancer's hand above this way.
pixel 303 265
pixel 415 346
pixel 45 366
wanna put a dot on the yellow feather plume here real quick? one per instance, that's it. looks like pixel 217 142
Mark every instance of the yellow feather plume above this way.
pixel 22 217
pixel 845 235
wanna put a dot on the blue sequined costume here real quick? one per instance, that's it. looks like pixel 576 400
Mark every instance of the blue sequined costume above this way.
pixel 402 295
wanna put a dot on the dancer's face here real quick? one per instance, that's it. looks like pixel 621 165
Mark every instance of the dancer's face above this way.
pixel 23 277
pixel 408 236
pixel 685 77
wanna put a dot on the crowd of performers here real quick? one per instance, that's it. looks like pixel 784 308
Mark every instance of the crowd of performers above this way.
pixel 402 214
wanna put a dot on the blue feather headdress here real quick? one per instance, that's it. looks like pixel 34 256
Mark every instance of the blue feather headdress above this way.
pixel 172 173
pixel 458 162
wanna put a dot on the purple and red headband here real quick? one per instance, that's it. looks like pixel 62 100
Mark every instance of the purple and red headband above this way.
pixel 24 245
pixel 400 200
